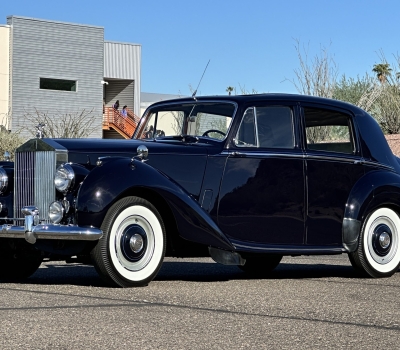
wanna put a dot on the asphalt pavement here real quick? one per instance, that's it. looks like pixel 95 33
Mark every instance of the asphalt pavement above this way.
pixel 306 303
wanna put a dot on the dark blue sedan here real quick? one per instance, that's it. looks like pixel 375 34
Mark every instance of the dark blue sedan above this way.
pixel 243 179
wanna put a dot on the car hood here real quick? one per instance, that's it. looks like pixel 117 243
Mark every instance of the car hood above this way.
pixel 184 163
pixel 128 148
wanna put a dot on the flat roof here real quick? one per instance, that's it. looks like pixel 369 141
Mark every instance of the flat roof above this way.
pixel 52 21
pixel 121 43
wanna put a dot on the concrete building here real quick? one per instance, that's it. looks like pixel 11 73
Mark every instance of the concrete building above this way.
pixel 4 73
pixel 60 68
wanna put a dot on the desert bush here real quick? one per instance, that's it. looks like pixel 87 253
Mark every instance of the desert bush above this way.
pixel 63 125
pixel 9 141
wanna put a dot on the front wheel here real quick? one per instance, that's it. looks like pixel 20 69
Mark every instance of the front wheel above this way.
pixel 132 248
pixel 378 252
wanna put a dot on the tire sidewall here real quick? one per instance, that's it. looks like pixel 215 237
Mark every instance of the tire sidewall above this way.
pixel 392 266
pixel 105 256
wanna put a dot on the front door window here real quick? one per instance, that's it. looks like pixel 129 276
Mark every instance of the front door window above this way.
pixel 266 127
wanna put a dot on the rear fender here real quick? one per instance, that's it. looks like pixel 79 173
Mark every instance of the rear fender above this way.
pixel 375 189
pixel 117 177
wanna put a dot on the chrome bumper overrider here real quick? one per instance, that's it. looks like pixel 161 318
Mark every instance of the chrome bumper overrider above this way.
pixel 33 231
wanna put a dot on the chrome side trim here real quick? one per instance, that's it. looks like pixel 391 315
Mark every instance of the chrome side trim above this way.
pixel 262 154
pixel 335 159
pixel 355 160
pixel 378 165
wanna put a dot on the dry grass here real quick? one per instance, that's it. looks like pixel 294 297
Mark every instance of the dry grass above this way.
pixel 9 142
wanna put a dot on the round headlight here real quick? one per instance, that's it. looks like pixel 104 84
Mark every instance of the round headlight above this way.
pixel 3 180
pixel 56 212
pixel 64 178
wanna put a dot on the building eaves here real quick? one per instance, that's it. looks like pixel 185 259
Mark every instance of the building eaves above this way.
pixel 51 21
pixel 121 43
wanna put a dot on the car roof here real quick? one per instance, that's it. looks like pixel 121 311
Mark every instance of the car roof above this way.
pixel 269 96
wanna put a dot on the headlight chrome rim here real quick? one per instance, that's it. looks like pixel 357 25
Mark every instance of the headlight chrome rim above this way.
pixel 64 178
pixel 3 180
pixel 56 212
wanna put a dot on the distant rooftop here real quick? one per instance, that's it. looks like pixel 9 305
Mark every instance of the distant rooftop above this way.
pixel 155 97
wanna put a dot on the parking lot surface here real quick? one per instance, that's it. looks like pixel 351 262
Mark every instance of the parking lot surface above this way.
pixel 307 302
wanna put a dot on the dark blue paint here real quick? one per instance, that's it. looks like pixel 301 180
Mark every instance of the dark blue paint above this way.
pixel 262 199
pixel 290 202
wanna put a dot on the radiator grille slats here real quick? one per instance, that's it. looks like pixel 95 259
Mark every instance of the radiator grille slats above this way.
pixel 34 184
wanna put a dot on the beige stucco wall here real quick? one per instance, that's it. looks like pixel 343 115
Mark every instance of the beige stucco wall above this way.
pixel 4 72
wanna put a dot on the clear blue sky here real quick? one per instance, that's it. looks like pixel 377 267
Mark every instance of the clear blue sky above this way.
pixel 250 43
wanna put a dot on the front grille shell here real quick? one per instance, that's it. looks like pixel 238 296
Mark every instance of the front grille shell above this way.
pixel 35 166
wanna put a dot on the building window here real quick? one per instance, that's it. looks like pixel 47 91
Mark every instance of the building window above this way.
pixel 57 84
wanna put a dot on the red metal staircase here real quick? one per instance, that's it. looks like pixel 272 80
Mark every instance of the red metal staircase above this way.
pixel 125 126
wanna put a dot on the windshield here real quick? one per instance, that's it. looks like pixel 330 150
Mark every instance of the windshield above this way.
pixel 207 119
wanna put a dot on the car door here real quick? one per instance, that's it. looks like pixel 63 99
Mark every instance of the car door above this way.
pixel 332 169
pixel 262 192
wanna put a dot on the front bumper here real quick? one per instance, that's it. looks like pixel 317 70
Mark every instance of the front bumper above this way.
pixel 67 232
pixel 32 230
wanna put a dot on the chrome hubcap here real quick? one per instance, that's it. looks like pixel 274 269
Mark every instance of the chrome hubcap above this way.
pixel 384 240
pixel 136 243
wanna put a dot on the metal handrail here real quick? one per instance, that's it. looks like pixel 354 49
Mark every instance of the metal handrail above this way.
pixel 126 126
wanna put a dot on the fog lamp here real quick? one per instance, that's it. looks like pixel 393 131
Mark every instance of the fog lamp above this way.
pixel 56 212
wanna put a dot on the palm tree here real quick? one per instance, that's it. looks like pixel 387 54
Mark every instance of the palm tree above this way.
pixel 229 89
pixel 382 70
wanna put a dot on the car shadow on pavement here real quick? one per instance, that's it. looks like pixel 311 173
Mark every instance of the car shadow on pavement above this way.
pixel 211 272
pixel 63 274
pixel 86 275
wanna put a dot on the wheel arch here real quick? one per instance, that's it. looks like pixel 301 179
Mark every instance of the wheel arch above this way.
pixel 183 216
pixel 176 245
pixel 374 190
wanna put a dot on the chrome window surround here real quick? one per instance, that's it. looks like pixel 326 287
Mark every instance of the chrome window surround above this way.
pixel 195 101
pixel 351 129
pixel 254 108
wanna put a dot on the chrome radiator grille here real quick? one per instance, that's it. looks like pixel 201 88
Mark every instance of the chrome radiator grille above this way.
pixel 34 182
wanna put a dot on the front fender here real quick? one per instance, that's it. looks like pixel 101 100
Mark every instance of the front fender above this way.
pixel 374 189
pixel 117 177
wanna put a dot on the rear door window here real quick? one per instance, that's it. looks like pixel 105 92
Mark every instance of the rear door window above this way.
pixel 328 130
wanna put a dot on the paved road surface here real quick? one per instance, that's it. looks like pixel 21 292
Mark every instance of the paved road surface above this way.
pixel 307 303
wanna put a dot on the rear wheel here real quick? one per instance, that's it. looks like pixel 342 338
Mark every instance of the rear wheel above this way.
pixel 132 248
pixel 261 265
pixel 378 252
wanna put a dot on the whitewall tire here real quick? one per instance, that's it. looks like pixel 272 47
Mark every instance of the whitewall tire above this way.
pixel 378 252
pixel 132 248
